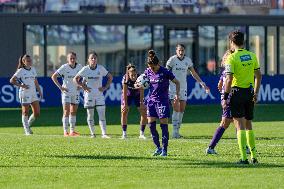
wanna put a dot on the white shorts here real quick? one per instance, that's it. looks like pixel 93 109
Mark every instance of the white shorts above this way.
pixel 93 99
pixel 28 98
pixel 182 94
pixel 70 98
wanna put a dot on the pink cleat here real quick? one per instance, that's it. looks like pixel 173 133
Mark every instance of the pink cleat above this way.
pixel 74 134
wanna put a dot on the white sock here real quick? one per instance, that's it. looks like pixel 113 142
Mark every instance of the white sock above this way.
pixel 180 119
pixel 102 118
pixel 72 123
pixel 65 124
pixel 25 122
pixel 90 120
pixel 141 132
pixel 31 120
pixel 175 120
pixel 124 133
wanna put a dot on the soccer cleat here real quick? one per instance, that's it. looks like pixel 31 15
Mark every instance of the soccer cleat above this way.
pixel 164 153
pixel 66 134
pixel 254 161
pixel 74 134
pixel 124 137
pixel 210 151
pixel 105 136
pixel 93 136
pixel 157 152
pixel 142 137
pixel 247 150
pixel 30 130
pixel 243 162
pixel 27 132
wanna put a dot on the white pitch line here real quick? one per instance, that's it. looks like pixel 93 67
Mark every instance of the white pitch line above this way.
pixel 177 140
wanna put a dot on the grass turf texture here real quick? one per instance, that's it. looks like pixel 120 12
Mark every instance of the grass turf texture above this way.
pixel 48 160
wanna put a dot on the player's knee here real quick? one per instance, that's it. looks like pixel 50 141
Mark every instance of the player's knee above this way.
pixel 36 114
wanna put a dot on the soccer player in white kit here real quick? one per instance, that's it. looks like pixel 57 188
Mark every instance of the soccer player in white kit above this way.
pixel 179 64
pixel 90 78
pixel 25 79
pixel 70 92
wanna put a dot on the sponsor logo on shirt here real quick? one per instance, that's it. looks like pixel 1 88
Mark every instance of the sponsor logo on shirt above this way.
pixel 245 58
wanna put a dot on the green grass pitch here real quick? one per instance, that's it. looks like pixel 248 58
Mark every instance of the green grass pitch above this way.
pixel 49 160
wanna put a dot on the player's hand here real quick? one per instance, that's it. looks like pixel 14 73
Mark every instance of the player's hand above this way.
pixel 63 89
pixel 87 89
pixel 24 86
pixel 102 89
pixel 207 89
pixel 176 103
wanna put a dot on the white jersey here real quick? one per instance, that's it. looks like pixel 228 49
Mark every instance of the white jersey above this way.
pixel 68 73
pixel 93 77
pixel 179 69
pixel 27 77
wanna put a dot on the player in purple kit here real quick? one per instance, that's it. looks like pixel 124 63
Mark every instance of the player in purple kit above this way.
pixel 158 102
pixel 226 116
pixel 130 95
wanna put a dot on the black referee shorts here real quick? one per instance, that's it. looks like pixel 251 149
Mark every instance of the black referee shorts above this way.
pixel 241 103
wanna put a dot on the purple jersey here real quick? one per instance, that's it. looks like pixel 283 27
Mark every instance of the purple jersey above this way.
pixel 159 84
pixel 223 78
pixel 131 91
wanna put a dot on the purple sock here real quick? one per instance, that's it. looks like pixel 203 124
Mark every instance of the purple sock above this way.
pixel 165 136
pixel 142 128
pixel 124 127
pixel 155 135
pixel 217 136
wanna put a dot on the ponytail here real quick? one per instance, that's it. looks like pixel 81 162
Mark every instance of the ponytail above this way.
pixel 21 61
pixel 152 58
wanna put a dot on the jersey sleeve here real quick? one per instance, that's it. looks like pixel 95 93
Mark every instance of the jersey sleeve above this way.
pixel 190 64
pixel 82 72
pixel 229 65
pixel 34 72
pixel 170 63
pixel 123 81
pixel 104 71
pixel 18 74
pixel 60 70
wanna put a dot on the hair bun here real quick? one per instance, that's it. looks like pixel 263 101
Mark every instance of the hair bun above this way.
pixel 151 53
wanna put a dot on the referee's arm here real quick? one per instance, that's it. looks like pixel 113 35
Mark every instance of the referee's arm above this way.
pixel 257 81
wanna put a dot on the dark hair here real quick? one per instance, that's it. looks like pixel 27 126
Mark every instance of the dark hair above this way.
pixel 72 53
pixel 92 53
pixel 237 37
pixel 21 61
pixel 152 58
pixel 180 45
pixel 130 66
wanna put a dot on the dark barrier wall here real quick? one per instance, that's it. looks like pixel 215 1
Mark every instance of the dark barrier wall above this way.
pixel 271 91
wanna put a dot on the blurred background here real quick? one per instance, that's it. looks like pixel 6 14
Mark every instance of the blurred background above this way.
pixel 121 31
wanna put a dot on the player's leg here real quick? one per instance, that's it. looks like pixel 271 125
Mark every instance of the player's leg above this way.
pixel 36 112
pixel 181 112
pixel 225 123
pixel 143 115
pixel 75 99
pixel 143 120
pixel 249 107
pixel 65 118
pixel 124 115
pixel 175 116
pixel 25 118
pixel 72 119
pixel 241 135
pixel 89 104
pixel 102 119
pixel 151 117
pixel 163 111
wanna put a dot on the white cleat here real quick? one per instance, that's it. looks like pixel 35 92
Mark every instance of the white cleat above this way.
pixel 123 137
pixel 142 137
pixel 93 136
pixel 105 136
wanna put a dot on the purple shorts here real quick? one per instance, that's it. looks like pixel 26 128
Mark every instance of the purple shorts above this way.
pixel 131 99
pixel 158 109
